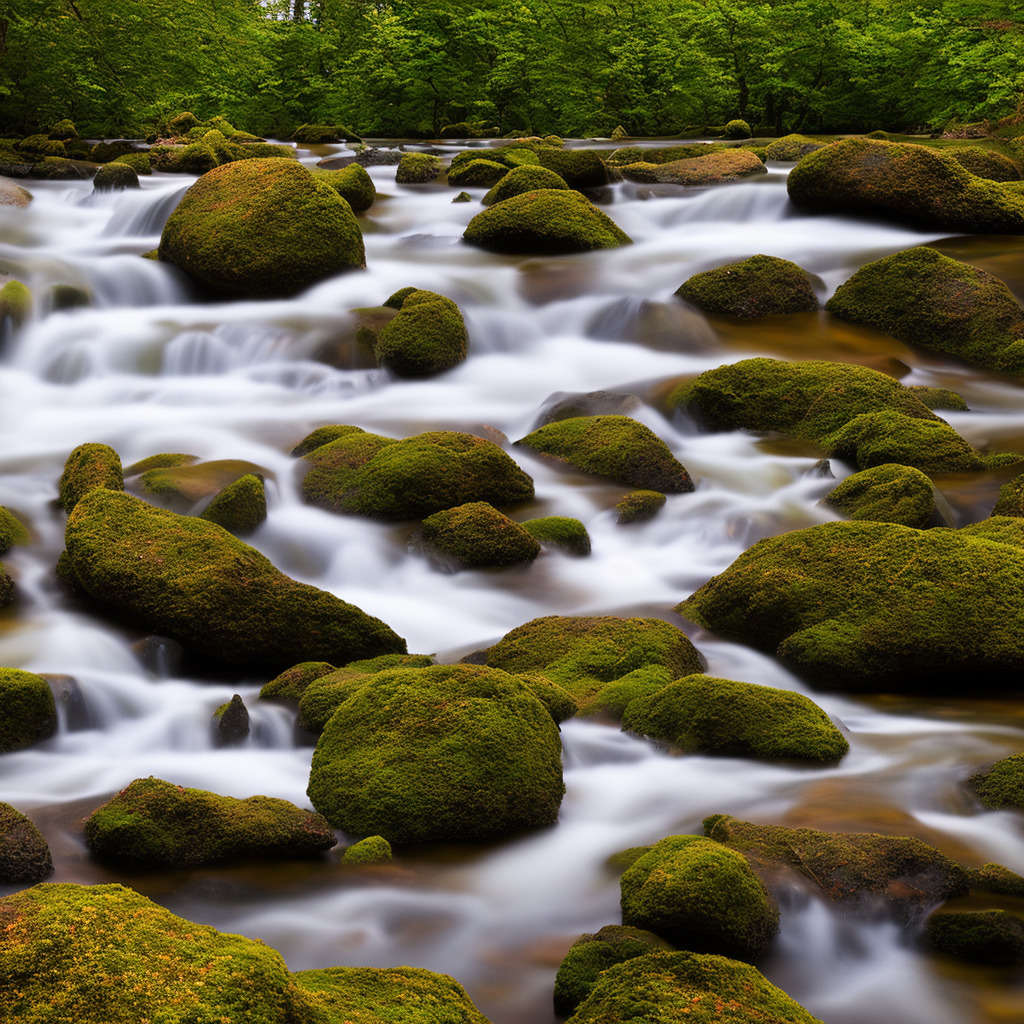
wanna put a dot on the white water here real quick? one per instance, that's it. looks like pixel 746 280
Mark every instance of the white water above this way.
pixel 146 369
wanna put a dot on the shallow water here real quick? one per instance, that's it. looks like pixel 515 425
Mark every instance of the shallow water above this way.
pixel 147 368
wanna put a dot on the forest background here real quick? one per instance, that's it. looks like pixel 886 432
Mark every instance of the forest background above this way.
pixel 408 69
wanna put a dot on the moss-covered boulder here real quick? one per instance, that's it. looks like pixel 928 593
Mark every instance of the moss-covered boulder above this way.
pixel 924 185
pixel 986 163
pixel 714 169
pixel 353 184
pixel 737 128
pixel 88 466
pixel 12 530
pixel 929 300
pixel 560 532
pixel 1001 785
pixel 477 536
pixel 587 654
pixel 615 447
pixel 15 303
pixel 29 710
pixel 12 194
pixel 371 475
pixel 755 287
pixel 522 179
pixel 885 494
pixel 546 221
pixel 589 955
pixel 701 896
pixel 426 338
pixel 260 228
pixel 997 879
pixel 697 988
pixel 323 435
pixel 875 606
pixel 115 177
pixel 476 173
pixel 906 874
pixel 138 162
pixel 992 937
pixel 639 506
pixel 289 686
pixel 103 954
pixel 241 506
pixel 578 168
pixel 791 148
pixel 24 855
pixel 418 169
pixel 448 753
pixel 162 460
pixel 187 482
pixel 662 154
pixel 705 715
pixel 219 597
pixel 1011 498
pixel 229 724
pixel 154 823
pixel 371 850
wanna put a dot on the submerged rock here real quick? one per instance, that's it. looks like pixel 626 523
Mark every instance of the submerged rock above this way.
pixel 29 710
pixel 755 287
pixel 476 535
pixel 993 937
pixel 885 494
pixel 24 855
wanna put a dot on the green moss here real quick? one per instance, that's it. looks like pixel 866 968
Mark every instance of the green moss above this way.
pixel 322 436
pixel 262 228
pixel 371 850
pixel 41 145
pixel 929 300
pixel 353 184
pixel 162 460
pixel 89 466
pixel 1011 498
pixel 737 129
pixel 544 222
pixel 523 179
pixel 560 531
pixel 463 197
pixel 114 177
pixel 192 580
pixel 578 168
pixel 181 123
pixel 939 398
pixel 663 154
pixel 319 134
pixel 994 878
pixel 54 168
pixel 138 162
pixel 30 714
pixel 290 685
pixel 993 937
pixel 715 169
pixel 639 506
pixel 477 536
pixel 476 173
pixel 189 482
pixel 885 494
pixel 241 506
pixel 24 855
pixel 64 130
pixel 15 302
pixel 906 182
pixel 12 530
pixel 701 896
pixel 613 698
pixel 986 163
pixel 372 475
pixel 755 287
pixel 584 654
pixel 102 954
pixel 615 447
pixel 426 338
pixel 561 704
pixel 704 715
pixel 453 752
pixel 791 148
pixel 906 873
pixel 1001 785
pixel 418 169
pixel 589 955
pixel 105 152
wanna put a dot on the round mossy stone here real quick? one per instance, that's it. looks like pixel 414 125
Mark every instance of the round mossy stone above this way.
pixel 544 222
pixel 12 530
pixel 262 228
pixel 230 723
pixel 476 173
pixel 613 698
pixel 476 535
pixel 138 162
pixel 397 299
pixel 426 338
pixel 441 754
pixel 578 168
pixel 639 506
pixel 371 850
pixel 30 712
pixel 701 896
pixel 323 435
pixel 463 197
pixel 288 687
pixel 755 287
pixel 885 494
pixel 522 179
pixel 995 878
pixel 560 703
pixel 154 823
pixel 1001 785
pixel 87 467
pixel 24 855
pixel 241 506
pixel 560 531
pixel 115 177
pixel 418 169
pixel 15 302
pixel 737 129
pixel 706 715
pixel 791 148
pixel 1011 498
pixel 993 937
pixel 353 184
pixel 939 398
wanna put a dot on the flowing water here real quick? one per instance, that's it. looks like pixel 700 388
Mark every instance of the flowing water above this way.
pixel 147 367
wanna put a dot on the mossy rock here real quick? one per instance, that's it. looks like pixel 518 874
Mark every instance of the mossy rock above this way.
pixel 791 148
pixel 162 460
pixel 89 466
pixel 185 483
pixel 180 123
pixel 699 988
pixel 561 704
pixel 220 598
pixel 115 177
pixel 939 398
pixel 885 494
pixel 1000 786
pixel 241 506
pixel 985 163
pixel 64 297
pixel 862 606
pixel 319 134
pixel 584 654
pixel 463 197
pixel 418 169
pixel 522 179
pixel 613 698
pixel 546 221
pixel 997 879
pixel 701 896
pixel 578 168
pixel 41 145
pixel 560 531
pixel 719 168
pixel 589 955
pixel 412 478
pixel 14 195
pixel 992 937
pixel 371 850
pixel 12 530
pixel 614 447
pixel 639 506
pixel 138 162
pixel 426 338
pixel 260 228
pixel 442 754
pixel 323 435
pixel 755 287
pixel 353 184
pixel 904 873
pixel 929 300
pixel 24 855
pixel 476 173
pixel 195 158
pixel 477 536
pixel 289 686
pixel 229 724
pixel 1011 498
pixel 54 168
pixel 913 183
pixel 737 129
pixel 64 130
pixel 155 824
pixel 103 954
pixel 662 154
pixel 15 303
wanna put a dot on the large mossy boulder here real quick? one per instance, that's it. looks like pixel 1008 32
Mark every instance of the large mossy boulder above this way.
pixel 578 168
pixel 426 338
pixel 29 710
pixel 89 466
pixel 705 715
pixel 477 536
pixel 441 754
pixel 991 937
pixel 12 530
pixel 371 475
pixel 861 606
pixel 418 169
pixel 924 185
pixel 700 896
pixel 353 184
pixel 194 581
pixel 262 228
pixel 885 494
pixel 755 287
pixel 545 222
pixel 477 172
pixel 903 873
pixel 115 177
pixel 714 169
pixel 986 163
pixel 850 411
pixel 103 954
pixel 155 824
pixel 24 855
pixel 1001 785
pixel 929 300
pixel 614 447
pixel 525 178
pixel 587 655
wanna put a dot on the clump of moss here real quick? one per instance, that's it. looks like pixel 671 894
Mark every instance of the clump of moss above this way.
pixel 230 723
pixel 705 715
pixel 791 148
pixel 54 168
pixel 638 506
pixel 12 530
pixel 64 130
pixel 353 184
pixel 1011 498
pixel 1001 785
pixel 241 506
pixel 115 177
pixel 426 338
pixel 755 287
pixel 262 228
pixel 702 896
pixel 162 460
pixel 182 122
pixel 24 855
pixel 140 561
pixel 885 494
pixel 522 179
pixel 939 398
pixel 15 302
pixel 138 162
pixel 926 299
pixel 89 466
pixel 187 482
pixel 452 752
pixel 323 435
pixel 371 850
pixel 613 698
pixel 985 163
pixel 994 937
pixel 477 536
pixel 289 686
pixel 476 173
pixel 368 474
pixel 561 704
pixel 560 531
pixel 663 154
pixel 41 145
pixel 714 169
pixel 105 152
pixel 544 222
pixel 994 878
pixel 154 823
pixel 30 713
pixel 578 168
pixel 737 129
pixel 418 169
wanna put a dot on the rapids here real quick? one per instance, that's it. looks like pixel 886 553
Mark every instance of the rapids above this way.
pixel 147 367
